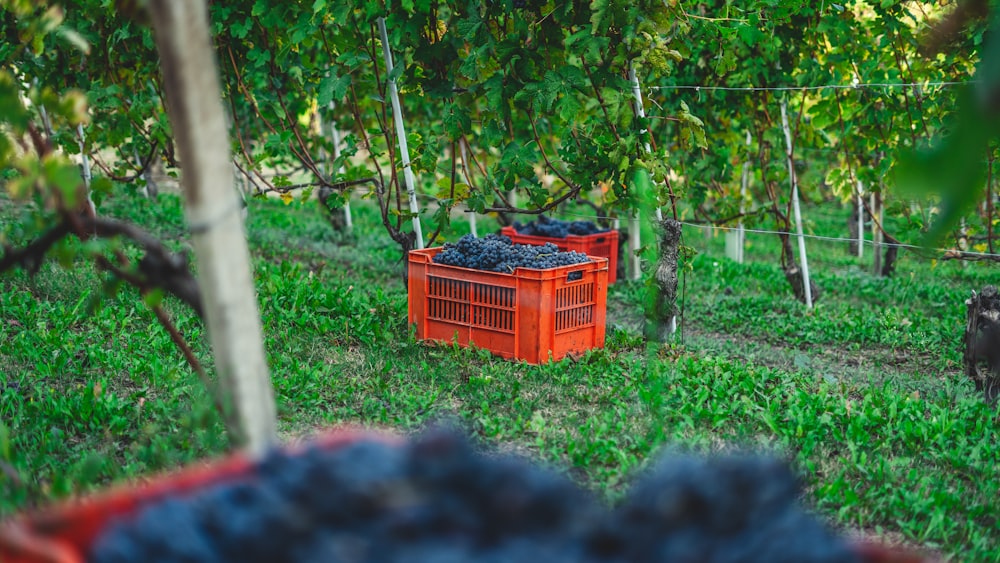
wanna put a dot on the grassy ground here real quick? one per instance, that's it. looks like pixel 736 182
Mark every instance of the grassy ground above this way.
pixel 863 392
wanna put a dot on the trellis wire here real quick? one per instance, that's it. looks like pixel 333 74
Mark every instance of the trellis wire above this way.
pixel 857 86
pixel 840 239
pixel 808 236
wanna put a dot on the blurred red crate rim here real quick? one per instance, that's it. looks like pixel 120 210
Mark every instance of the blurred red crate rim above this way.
pixel 65 532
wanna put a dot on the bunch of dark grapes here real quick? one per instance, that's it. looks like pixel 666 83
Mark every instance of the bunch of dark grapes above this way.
pixel 736 508
pixel 496 253
pixel 437 500
pixel 554 228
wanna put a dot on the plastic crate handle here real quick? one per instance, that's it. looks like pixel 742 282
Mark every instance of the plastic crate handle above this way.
pixel 574 276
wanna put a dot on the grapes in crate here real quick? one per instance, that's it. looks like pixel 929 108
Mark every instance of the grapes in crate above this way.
pixel 554 228
pixel 496 253
pixel 437 499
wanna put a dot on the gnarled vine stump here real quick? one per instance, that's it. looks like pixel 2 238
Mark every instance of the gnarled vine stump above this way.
pixel 663 307
pixel 982 341
pixel 794 276
pixel 852 226
pixel 336 214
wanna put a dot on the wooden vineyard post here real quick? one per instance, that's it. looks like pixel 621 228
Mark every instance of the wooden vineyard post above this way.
pixel 861 220
pixel 404 151
pixel 85 160
pixel 191 84
pixel 963 240
pixel 635 239
pixel 641 112
pixel 330 129
pixel 46 122
pixel 804 262
pixel 335 134
pixel 634 243
pixel 736 238
pixel 149 191
pixel 876 202
pixel 465 164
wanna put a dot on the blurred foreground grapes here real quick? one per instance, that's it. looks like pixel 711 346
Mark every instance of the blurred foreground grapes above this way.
pixel 437 500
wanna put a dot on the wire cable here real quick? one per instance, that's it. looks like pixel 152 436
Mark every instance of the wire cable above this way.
pixel 857 86
pixel 808 236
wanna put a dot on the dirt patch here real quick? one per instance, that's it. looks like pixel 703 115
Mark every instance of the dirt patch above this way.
pixel 830 362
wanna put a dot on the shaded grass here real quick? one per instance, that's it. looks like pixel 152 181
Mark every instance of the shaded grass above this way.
pixel 95 395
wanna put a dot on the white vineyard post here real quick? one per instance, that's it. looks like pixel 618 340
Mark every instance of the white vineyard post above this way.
pixel 46 122
pixel 881 219
pixel 241 180
pixel 348 218
pixel 147 191
pixel 330 128
pixel 736 238
pixel 87 177
pixel 240 183
pixel 191 83
pixel 744 189
pixel 635 241
pixel 145 176
pixel 861 219
pixel 641 112
pixel 876 235
pixel 465 161
pixel 792 177
pixel 404 151
pixel 963 241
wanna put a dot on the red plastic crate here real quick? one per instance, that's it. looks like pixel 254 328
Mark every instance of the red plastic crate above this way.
pixel 604 245
pixel 525 315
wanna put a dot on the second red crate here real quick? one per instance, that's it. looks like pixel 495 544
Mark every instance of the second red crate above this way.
pixel 604 245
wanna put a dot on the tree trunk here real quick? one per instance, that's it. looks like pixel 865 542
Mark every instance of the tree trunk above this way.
pixel 794 276
pixel 889 263
pixel 982 342
pixel 660 316
pixel 194 96
pixel 855 225
pixel 336 214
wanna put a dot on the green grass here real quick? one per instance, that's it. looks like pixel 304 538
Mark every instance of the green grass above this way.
pixel 863 392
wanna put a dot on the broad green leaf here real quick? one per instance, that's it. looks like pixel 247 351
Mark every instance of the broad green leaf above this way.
pixel 153 298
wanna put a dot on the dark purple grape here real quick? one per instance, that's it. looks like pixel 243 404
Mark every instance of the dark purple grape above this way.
pixel 496 253
pixel 439 500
